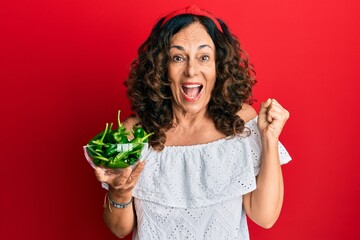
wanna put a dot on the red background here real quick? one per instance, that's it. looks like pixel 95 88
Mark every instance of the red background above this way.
pixel 62 68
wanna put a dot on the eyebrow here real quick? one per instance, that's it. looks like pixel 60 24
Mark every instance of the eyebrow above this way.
pixel 199 47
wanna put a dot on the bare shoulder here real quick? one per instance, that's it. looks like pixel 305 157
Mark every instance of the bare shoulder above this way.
pixel 247 112
pixel 130 122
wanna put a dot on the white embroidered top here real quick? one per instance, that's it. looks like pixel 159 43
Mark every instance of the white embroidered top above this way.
pixel 195 192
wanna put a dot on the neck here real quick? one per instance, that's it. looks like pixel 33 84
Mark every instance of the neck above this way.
pixel 189 121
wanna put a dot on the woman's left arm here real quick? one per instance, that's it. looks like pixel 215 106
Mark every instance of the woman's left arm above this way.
pixel 263 205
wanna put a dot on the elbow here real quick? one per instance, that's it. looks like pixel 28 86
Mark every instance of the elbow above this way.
pixel 120 231
pixel 121 234
pixel 267 225
pixel 267 222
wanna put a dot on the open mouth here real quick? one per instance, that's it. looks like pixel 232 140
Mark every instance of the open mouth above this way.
pixel 192 91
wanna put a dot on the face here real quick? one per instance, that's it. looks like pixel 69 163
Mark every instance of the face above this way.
pixel 192 71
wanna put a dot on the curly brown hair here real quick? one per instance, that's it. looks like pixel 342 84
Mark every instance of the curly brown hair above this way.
pixel 149 89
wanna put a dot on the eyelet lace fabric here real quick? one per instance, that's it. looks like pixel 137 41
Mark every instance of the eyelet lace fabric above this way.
pixel 195 192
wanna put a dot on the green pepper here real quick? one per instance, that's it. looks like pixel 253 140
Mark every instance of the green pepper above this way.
pixel 141 139
pixel 98 136
pixel 121 137
pixel 101 158
pixel 133 157
pixel 119 161
pixel 132 160
pixel 139 132
pixel 110 151
pixel 113 164
pixel 121 156
pixel 136 147
pixel 100 141
pixel 104 150
pixel 94 153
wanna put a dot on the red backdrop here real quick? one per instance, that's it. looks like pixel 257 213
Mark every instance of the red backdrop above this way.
pixel 62 68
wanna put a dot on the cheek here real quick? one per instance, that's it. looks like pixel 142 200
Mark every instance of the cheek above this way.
pixel 171 75
pixel 211 79
pixel 210 88
pixel 175 91
pixel 210 70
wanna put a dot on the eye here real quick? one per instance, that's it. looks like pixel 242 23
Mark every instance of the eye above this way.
pixel 205 58
pixel 177 58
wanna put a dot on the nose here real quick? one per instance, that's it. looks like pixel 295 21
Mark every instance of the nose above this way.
pixel 192 68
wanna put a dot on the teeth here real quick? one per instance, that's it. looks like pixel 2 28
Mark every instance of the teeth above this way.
pixel 192 86
pixel 192 90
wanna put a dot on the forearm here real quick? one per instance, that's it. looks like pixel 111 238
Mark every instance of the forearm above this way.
pixel 120 221
pixel 266 201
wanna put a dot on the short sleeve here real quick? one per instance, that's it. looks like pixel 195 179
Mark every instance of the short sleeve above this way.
pixel 255 146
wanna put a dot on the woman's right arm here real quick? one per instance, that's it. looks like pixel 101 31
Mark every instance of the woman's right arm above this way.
pixel 120 221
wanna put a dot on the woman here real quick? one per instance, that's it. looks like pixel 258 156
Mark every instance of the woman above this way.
pixel 190 85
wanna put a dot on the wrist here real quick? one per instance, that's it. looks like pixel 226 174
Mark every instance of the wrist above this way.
pixel 109 203
pixel 270 142
pixel 119 204
pixel 119 197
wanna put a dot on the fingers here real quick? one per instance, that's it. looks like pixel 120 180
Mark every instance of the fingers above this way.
pixel 264 106
pixel 128 178
pixel 121 180
pixel 124 182
pixel 272 110
pixel 136 172
pixel 276 112
pixel 101 175
pixel 272 118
